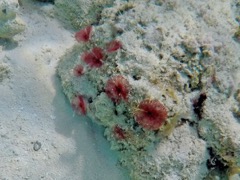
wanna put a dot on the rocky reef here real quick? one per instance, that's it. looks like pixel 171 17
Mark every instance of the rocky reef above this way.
pixel 10 23
pixel 162 78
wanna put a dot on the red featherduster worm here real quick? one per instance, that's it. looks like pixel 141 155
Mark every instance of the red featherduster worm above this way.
pixel 79 104
pixel 84 35
pixel 119 133
pixel 78 70
pixel 94 58
pixel 117 89
pixel 114 46
pixel 151 114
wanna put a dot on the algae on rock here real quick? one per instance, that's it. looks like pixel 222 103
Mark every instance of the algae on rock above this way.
pixel 10 23
pixel 80 13
pixel 171 56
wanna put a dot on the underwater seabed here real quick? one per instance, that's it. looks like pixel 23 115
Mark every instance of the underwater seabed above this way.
pixel 116 89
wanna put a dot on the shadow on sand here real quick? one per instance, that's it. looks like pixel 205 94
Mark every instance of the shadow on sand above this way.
pixel 8 44
pixel 92 151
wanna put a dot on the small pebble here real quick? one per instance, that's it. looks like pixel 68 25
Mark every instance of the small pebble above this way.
pixel 36 146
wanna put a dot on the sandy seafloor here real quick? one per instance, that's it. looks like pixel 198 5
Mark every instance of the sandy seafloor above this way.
pixel 34 109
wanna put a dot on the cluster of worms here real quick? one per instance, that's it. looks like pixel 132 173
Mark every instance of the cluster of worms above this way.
pixel 149 114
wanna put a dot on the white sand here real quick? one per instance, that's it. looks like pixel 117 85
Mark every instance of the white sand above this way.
pixel 33 108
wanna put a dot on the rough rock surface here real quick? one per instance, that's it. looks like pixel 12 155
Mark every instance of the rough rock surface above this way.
pixel 10 23
pixel 182 53
pixel 81 12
